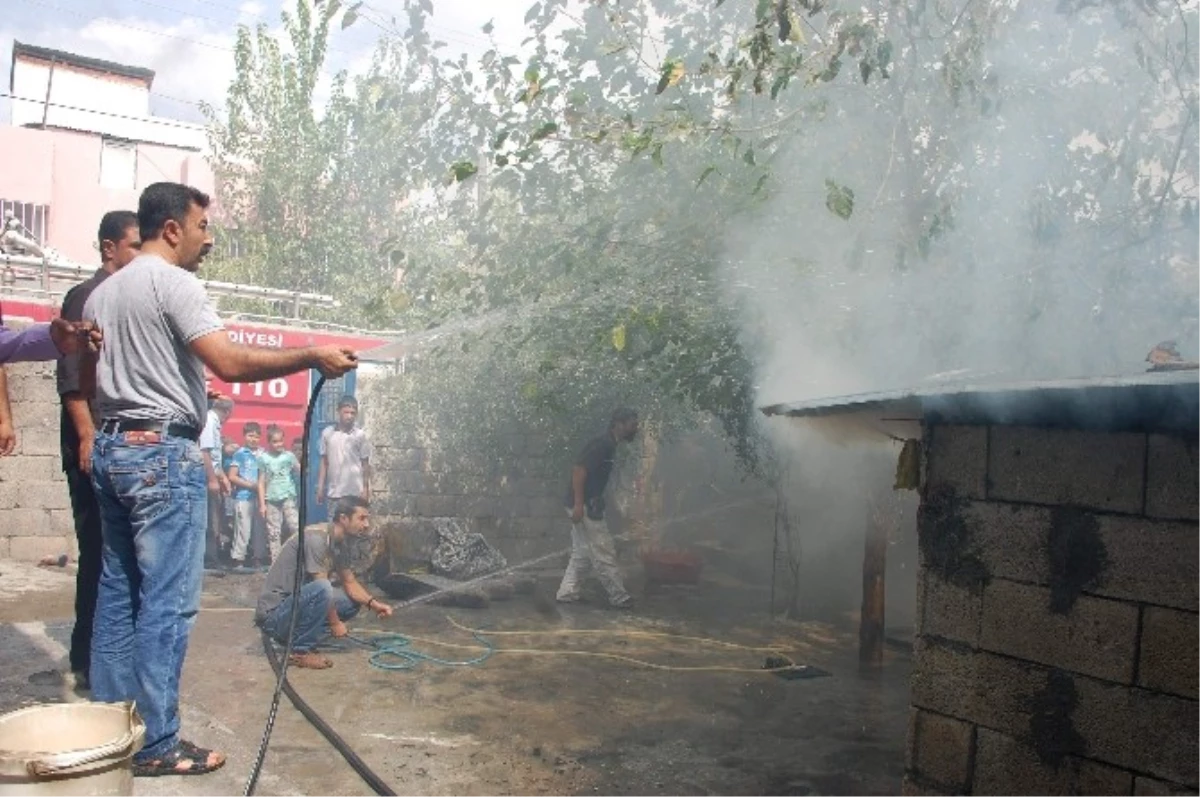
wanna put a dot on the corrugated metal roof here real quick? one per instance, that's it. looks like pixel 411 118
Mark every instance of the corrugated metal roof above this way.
pixel 1151 401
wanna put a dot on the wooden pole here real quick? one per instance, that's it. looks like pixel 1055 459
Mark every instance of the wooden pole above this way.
pixel 871 626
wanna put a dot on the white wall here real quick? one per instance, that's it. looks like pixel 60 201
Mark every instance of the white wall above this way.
pixel 82 101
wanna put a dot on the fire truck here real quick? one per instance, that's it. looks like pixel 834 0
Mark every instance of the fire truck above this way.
pixel 33 280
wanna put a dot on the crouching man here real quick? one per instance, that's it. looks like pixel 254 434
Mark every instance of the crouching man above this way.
pixel 331 594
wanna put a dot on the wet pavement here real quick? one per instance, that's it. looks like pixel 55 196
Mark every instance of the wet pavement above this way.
pixel 618 709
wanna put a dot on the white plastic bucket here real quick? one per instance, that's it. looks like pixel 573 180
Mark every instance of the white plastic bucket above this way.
pixel 70 748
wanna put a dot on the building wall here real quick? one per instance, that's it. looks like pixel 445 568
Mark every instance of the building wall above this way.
pixel 1056 646
pixel 61 169
pixel 107 104
pixel 35 507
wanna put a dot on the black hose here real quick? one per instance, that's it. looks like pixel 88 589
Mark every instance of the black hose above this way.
pixel 280 667
pixel 357 764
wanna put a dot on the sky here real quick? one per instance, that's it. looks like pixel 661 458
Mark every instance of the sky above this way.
pixel 188 43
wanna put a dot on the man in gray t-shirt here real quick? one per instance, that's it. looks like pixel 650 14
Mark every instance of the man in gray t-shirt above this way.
pixel 330 593
pixel 150 480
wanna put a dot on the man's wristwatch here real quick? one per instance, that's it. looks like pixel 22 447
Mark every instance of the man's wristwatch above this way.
pixel 369 603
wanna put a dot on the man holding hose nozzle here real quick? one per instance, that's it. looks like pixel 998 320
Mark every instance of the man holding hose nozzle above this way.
pixel 147 469
pixel 335 554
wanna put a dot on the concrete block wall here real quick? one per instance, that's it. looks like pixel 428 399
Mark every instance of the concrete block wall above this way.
pixel 1056 648
pixel 35 507
pixel 515 501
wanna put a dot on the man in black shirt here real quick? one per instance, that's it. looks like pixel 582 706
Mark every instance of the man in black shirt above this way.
pixel 119 242
pixel 591 544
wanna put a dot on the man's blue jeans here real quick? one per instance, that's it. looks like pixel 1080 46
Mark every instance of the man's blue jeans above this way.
pixel 313 622
pixel 154 513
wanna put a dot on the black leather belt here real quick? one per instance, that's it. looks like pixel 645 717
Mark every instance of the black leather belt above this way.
pixel 118 425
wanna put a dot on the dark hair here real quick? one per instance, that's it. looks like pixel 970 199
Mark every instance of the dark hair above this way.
pixel 222 404
pixel 115 224
pixel 348 401
pixel 251 426
pixel 344 507
pixel 272 430
pixel 163 202
pixel 622 414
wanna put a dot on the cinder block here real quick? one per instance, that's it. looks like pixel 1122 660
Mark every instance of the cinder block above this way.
pixel 37 440
pixel 1168 656
pixel 957 458
pixel 1067 468
pixel 1004 765
pixel 950 611
pixel 28 523
pixel 545 507
pixel 31 549
pixel 978 687
pixel 62 521
pixel 1011 539
pixel 1150 561
pixel 19 468
pixel 1171 478
pixel 913 787
pixel 1136 729
pixel 10 494
pixel 940 750
pixel 1150 786
pixel 1096 637
pixel 43 495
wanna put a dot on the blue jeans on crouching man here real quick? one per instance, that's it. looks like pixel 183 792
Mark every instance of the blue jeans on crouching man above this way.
pixel 154 512
pixel 312 624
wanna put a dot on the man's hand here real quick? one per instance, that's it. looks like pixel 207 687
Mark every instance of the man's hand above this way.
pixel 338 628
pixel 8 438
pixel 577 513
pixel 380 608
pixel 73 337
pixel 223 484
pixel 320 494
pixel 333 361
pixel 85 454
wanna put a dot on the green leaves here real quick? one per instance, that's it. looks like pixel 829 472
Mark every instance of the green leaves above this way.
pixel 351 15
pixel 463 170
pixel 839 199
pixel 488 27
pixel 671 73
pixel 548 129
pixel 618 337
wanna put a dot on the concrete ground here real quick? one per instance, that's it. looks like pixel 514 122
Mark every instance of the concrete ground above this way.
pixel 561 722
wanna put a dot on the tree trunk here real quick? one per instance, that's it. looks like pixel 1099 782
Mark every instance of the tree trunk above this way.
pixel 870 629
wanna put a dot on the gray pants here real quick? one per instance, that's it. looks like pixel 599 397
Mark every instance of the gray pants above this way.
pixel 247 532
pixel 592 549
pixel 280 514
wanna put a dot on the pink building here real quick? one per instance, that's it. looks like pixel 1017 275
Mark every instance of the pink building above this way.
pixel 83 142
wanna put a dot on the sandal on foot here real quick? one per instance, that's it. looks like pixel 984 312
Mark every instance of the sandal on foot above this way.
pixel 309 661
pixel 184 759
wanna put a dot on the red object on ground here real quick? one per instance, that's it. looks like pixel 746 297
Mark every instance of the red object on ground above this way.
pixel 665 566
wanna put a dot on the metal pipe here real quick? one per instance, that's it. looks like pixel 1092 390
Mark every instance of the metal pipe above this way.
pixel 77 272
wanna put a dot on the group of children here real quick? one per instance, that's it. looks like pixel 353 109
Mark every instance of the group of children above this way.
pixel 260 512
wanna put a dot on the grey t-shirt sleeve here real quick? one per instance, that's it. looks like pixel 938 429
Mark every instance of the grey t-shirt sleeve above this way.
pixel 186 305
pixel 316 555
pixel 364 446
pixel 323 443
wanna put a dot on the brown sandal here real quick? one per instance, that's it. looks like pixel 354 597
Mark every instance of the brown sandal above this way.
pixel 309 661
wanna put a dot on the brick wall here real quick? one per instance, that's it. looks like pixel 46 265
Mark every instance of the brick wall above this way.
pixel 1056 645
pixel 35 508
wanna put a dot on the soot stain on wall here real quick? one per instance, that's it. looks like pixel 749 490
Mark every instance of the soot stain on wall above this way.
pixel 946 540
pixel 1076 555
pixel 1050 727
